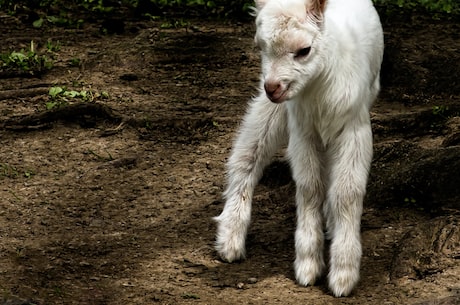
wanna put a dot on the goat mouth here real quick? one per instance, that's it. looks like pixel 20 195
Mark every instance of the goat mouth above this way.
pixel 279 98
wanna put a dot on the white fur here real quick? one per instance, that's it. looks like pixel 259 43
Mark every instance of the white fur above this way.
pixel 320 105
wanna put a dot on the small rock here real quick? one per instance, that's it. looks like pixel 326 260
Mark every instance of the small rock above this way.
pixel 252 280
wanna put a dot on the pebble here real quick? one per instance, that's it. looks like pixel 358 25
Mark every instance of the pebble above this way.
pixel 252 280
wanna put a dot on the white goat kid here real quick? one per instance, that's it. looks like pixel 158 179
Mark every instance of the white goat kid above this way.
pixel 320 74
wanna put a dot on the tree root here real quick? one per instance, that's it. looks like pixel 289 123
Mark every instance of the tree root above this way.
pixel 21 93
pixel 86 114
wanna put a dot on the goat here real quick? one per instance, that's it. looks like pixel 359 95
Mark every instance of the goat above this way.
pixel 320 75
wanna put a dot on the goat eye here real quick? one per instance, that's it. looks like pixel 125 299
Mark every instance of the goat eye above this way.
pixel 302 52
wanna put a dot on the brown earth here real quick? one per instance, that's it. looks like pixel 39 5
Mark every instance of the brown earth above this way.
pixel 110 201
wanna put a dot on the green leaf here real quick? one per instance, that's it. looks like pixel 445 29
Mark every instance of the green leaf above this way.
pixel 38 23
pixel 54 91
pixel 17 56
pixel 50 105
pixel 71 93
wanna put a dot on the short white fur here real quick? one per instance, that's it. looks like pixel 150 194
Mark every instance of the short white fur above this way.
pixel 320 75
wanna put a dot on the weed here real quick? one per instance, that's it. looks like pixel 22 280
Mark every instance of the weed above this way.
pixel 11 171
pixel 8 171
pixel 53 47
pixel 28 173
pixel 440 110
pixel 25 61
pixel 411 200
pixel 75 62
pixel 61 96
pixel 96 5
pixel 175 24
pixel 58 21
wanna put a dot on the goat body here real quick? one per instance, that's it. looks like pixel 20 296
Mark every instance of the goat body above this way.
pixel 320 75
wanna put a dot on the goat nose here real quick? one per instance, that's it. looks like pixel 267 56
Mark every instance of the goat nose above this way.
pixel 271 88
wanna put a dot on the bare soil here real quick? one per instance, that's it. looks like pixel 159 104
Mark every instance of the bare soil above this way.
pixel 110 201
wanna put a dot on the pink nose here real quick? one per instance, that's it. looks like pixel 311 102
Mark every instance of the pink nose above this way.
pixel 272 87
pixel 273 90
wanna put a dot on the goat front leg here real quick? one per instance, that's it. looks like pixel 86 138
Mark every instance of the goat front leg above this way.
pixel 350 158
pixel 262 132
pixel 306 167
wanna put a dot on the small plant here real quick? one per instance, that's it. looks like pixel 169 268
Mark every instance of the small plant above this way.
pixel 175 24
pixel 96 5
pixel 440 110
pixel 28 173
pixel 25 61
pixel 8 171
pixel 60 96
pixel 58 21
pixel 75 62
pixel 410 200
pixel 53 47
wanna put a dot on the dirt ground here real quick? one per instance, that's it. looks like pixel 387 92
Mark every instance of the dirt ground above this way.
pixel 110 201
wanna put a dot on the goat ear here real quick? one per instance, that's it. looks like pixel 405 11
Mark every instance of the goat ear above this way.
pixel 260 4
pixel 316 8
pixel 254 10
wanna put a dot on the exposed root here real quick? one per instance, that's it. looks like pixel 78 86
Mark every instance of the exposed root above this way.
pixel 86 114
